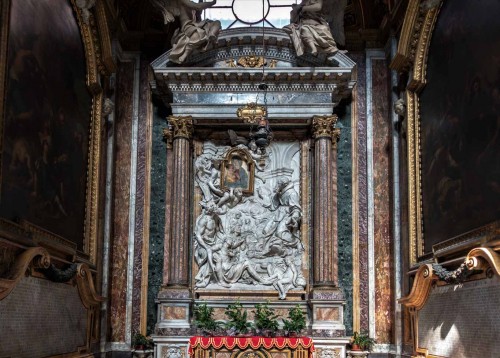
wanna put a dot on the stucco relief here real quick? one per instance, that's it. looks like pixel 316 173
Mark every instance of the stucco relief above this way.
pixel 251 240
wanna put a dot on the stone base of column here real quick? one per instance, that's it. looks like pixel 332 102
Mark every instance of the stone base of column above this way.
pixel 327 311
pixel 174 306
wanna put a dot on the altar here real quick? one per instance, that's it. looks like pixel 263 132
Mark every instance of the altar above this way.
pixel 244 223
pixel 250 347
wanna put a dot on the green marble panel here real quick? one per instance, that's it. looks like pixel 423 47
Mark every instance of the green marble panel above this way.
pixel 344 193
pixel 157 217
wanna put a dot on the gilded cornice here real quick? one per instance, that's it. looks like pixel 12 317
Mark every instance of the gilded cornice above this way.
pixel 182 126
pixel 323 127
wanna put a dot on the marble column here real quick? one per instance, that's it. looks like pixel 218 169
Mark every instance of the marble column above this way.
pixel 327 299
pixel 175 297
pixel 180 202
pixel 325 202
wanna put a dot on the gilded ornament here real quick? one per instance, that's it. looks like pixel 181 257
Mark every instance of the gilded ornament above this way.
pixel 182 126
pixel 231 63
pixel 323 127
pixel 168 137
pixel 251 113
pixel 252 61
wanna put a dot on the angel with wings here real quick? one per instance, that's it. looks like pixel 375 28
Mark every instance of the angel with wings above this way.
pixel 309 30
pixel 193 35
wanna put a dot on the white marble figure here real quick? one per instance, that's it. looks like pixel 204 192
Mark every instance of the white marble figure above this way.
pixel 309 30
pixel 250 242
pixel 193 35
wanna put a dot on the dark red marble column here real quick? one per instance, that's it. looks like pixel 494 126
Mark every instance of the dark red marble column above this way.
pixel 178 260
pixel 325 202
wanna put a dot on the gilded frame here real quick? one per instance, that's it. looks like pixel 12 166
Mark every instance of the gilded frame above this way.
pixel 97 47
pixel 412 53
pixel 245 159
pixel 411 56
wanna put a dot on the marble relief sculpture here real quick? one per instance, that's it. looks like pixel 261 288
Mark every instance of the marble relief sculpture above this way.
pixel 193 35
pixel 309 30
pixel 249 240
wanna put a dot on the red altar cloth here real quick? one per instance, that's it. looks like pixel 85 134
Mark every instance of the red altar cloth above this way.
pixel 252 342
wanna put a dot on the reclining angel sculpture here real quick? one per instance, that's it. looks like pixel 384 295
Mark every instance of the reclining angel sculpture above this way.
pixel 193 35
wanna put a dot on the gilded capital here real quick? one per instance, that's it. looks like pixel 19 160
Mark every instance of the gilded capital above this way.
pixel 182 126
pixel 323 127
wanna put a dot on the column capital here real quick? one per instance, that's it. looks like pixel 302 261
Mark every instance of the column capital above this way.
pixel 323 127
pixel 182 126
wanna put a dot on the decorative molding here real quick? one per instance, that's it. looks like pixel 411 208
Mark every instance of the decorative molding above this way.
pixel 237 42
pixel 93 53
pixel 85 283
pixel 323 127
pixel 482 258
pixel 38 257
pixel 182 126
pixel 103 32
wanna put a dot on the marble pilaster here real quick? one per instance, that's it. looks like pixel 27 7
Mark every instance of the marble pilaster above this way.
pixel 174 298
pixel 168 139
pixel 180 201
pixel 327 299
pixel 325 202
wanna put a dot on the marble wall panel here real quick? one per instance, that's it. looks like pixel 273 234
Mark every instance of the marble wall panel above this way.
pixel 123 131
pixel 362 194
pixel 327 314
pixel 157 215
pixel 41 318
pixel 344 210
pixel 382 204
pixel 142 176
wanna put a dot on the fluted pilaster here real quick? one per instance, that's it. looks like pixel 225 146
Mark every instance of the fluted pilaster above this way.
pixel 325 201
pixel 179 195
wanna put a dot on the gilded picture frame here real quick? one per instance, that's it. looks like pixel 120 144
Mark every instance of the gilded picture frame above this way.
pixel 238 171
pixel 412 57
pixel 98 63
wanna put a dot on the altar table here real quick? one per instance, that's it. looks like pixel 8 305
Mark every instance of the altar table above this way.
pixel 250 347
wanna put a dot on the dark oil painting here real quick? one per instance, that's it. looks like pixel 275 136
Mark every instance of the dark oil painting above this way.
pixel 460 121
pixel 46 120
